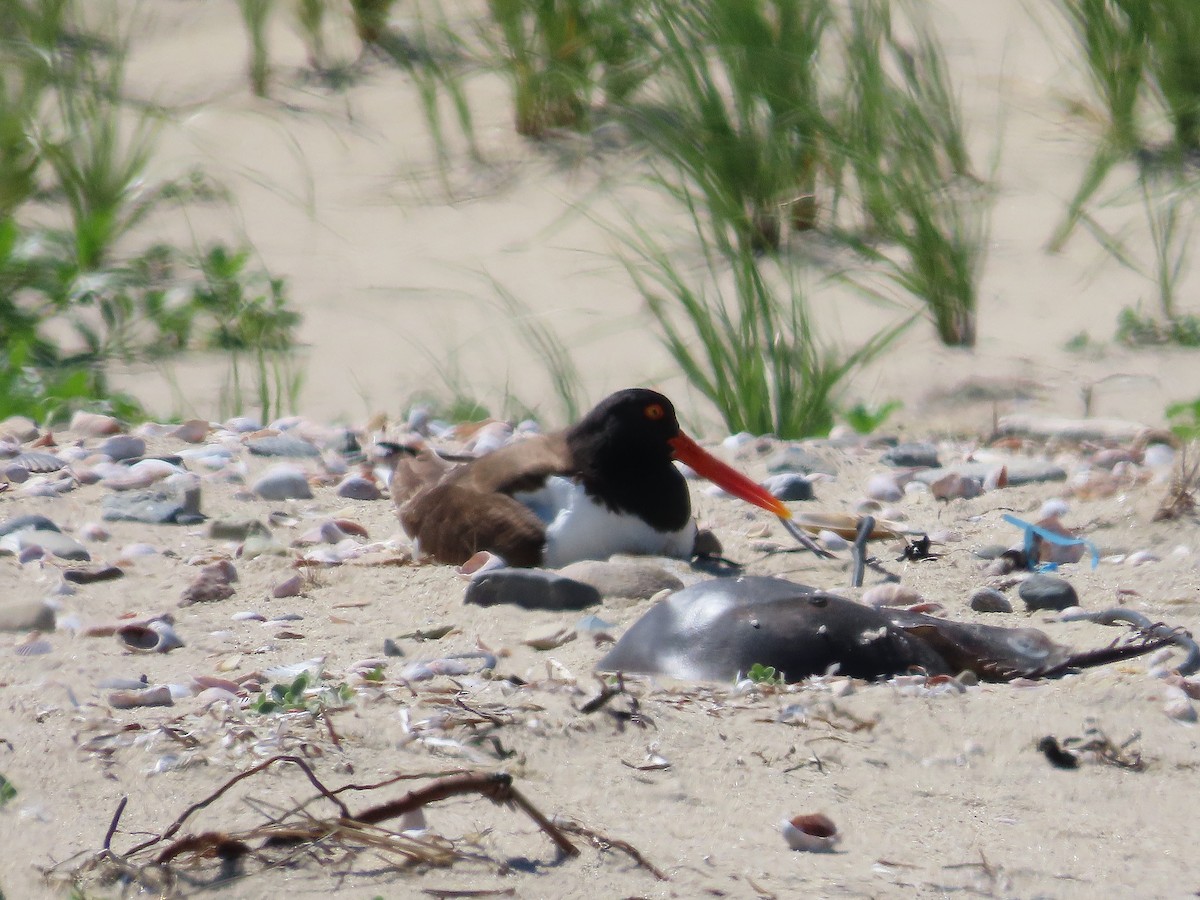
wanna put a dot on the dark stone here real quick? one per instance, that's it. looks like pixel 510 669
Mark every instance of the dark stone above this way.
pixel 531 589
pixel 789 486
pixel 1047 592
pixel 990 600
pixel 91 576
pixel 912 456
pixel 32 521
pixel 282 445
pixel 123 446
pixel 157 506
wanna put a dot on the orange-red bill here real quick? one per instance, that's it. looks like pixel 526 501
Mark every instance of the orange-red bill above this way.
pixel 725 477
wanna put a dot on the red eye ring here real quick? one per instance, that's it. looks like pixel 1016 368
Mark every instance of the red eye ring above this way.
pixel 654 412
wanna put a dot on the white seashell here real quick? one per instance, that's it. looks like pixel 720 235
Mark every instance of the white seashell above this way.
pixel 312 667
pixel 1056 508
pixel 1179 707
pixel 815 833
pixel 94 531
pixel 1140 558
pixel 248 615
pixel 832 541
pixel 151 637
pixel 481 562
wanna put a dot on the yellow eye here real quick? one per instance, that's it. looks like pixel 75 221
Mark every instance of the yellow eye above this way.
pixel 654 412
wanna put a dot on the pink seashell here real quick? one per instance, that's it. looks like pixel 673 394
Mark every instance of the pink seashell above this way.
pixel 193 431
pixel 202 682
pixel 209 696
pixel 290 587
pixel 891 594
pixel 483 561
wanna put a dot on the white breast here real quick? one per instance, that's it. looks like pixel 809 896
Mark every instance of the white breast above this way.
pixel 578 528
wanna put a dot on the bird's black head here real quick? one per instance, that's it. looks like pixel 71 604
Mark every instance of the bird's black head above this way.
pixel 634 425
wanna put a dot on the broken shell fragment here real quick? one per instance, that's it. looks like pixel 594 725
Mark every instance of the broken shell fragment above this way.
pixel 814 832
pixel 132 699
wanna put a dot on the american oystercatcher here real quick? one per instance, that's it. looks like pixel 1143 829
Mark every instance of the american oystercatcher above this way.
pixel 605 485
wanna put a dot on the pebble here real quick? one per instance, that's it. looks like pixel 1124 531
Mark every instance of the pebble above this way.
pixel 989 551
pixel 31 521
pixel 912 455
pixel 206 589
pixel 94 531
pixel 243 425
pixel 789 487
pixel 1047 592
pixel 956 487
pixel 26 615
pixel 123 446
pixel 282 445
pixel 356 487
pixel 92 576
pixel 283 482
pixel 626 578
pixel 989 600
pixel 832 541
pixel 193 431
pixel 55 543
pixel 94 424
pixel 168 504
pixel 883 487
pixel 19 428
pixel 530 589
pixel 1179 706
pixel 289 587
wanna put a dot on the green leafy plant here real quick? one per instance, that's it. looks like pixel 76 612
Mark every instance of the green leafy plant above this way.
pixel 761 674
pixel 302 695
pixel 1184 419
pixel 867 420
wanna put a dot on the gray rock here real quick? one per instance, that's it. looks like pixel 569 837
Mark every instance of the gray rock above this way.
pixel 791 458
pixel 789 486
pixel 26 615
pixel 30 521
pixel 531 589
pixel 355 487
pixel 635 579
pixel 283 482
pixel 989 600
pixel 282 445
pixel 123 446
pixel 1020 471
pixel 243 424
pixel 165 505
pixel 917 455
pixel 55 543
pixel 1047 592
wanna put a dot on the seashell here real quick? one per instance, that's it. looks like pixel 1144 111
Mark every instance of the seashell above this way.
pixel 209 696
pixel 1179 706
pixel 133 551
pixel 481 562
pixel 203 682
pixel 459 664
pixel 248 616
pixel 155 696
pixel 891 594
pixel 91 576
pixel 37 463
pixel 152 637
pixel 33 645
pixel 884 488
pixel 996 479
pixel 814 832
pixel 956 487
pixel 1140 558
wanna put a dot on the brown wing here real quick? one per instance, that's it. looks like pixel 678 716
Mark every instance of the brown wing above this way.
pixel 455 513
pixel 521 466
pixel 452 523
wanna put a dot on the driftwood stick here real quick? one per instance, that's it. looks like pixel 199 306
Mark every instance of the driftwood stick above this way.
pixel 496 787
pixel 241 776
pixel 602 841
pixel 112 826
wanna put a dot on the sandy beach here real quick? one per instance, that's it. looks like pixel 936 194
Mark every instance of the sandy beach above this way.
pixel 937 788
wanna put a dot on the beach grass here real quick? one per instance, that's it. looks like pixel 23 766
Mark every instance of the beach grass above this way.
pixel 742 332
